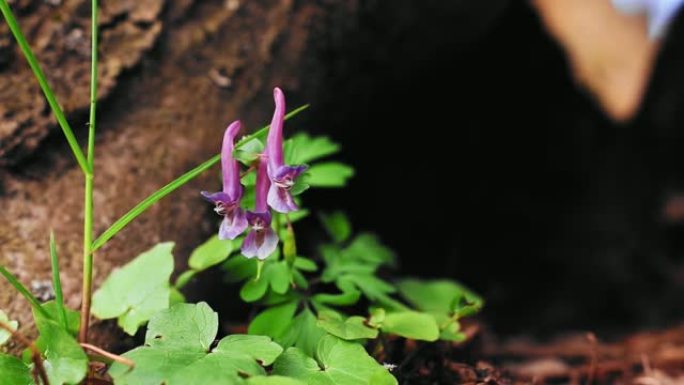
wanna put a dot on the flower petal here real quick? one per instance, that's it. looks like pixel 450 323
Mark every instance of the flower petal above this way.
pixel 281 200
pixel 233 224
pixel 274 142
pixel 249 247
pixel 288 172
pixel 260 244
pixel 217 197
pixel 230 167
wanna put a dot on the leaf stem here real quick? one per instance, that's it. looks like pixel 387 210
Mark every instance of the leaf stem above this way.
pixel 57 282
pixel 88 254
pixel 42 81
pixel 108 355
pixel 24 291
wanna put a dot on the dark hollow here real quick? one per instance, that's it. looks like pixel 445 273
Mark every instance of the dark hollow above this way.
pixel 479 159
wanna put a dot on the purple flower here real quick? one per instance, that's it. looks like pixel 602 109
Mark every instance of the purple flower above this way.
pixel 261 240
pixel 228 201
pixel 282 176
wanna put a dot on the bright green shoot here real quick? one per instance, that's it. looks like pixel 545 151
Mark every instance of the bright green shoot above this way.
pixel 87 290
pixel 40 76
pixel 57 282
pixel 24 291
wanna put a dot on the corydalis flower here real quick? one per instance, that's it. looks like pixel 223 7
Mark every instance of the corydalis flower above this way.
pixel 228 201
pixel 261 240
pixel 282 176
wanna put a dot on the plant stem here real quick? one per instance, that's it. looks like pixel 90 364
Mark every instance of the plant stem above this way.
pixel 24 291
pixel 40 76
pixel 57 282
pixel 88 254
pixel 110 356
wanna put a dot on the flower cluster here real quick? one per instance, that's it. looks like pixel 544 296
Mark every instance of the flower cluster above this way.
pixel 274 181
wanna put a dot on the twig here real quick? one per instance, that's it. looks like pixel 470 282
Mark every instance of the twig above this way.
pixel 114 357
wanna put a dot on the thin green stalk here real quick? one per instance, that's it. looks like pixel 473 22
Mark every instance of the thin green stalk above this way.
pixel 172 186
pixel 88 256
pixel 57 282
pixel 24 291
pixel 40 76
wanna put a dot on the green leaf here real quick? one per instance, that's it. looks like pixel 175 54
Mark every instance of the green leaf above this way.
pixel 368 249
pixel 260 348
pixel 329 174
pixel 352 328
pixel 254 289
pixel 4 334
pixel 185 278
pixel 57 283
pixel 239 268
pixel 65 361
pixel 176 351
pixel 273 380
pixel 372 287
pixel 35 304
pixel 439 296
pixel 274 321
pixel 184 326
pixel 172 186
pixel 211 253
pixel 14 372
pixel 338 226
pixel 302 148
pixel 337 362
pixel 305 264
pixel 349 296
pixel 249 152
pixel 138 290
pixel 304 333
pixel 276 275
pixel 412 325
pixel 73 318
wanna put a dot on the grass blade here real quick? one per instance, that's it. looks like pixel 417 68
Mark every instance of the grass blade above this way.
pixel 57 282
pixel 172 186
pixel 23 291
pixel 40 76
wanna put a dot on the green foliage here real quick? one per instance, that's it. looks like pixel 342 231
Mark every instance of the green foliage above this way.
pixel 352 328
pixel 72 318
pixel 138 290
pixel 57 283
pixel 211 253
pixel 446 300
pixel 337 225
pixel 410 324
pixel 336 362
pixel 177 351
pixel 65 361
pixel 14 372
pixel 329 174
pixel 5 335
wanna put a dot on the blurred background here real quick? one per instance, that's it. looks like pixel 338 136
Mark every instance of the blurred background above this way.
pixel 532 152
